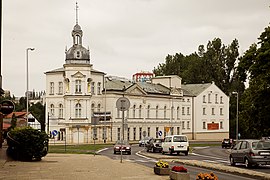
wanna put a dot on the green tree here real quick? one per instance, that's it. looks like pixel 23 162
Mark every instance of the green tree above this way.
pixel 38 110
pixel 254 67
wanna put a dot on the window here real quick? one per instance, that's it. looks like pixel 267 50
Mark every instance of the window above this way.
pixel 128 134
pixel 221 125
pixel 178 130
pixel 156 111
pixel 172 130
pixel 221 100
pixel 78 110
pixel 148 111
pixel 204 127
pixel 204 111
pixel 221 111
pixel 92 108
pixel 60 86
pixel 148 131
pixel 209 98
pixel 134 111
pixel 61 109
pixel 172 111
pixel 104 134
pixel 213 111
pixel 183 124
pixel 98 108
pixel 78 52
pixel 188 113
pixel 140 133
pixel 156 132
pixel 78 86
pixel 118 133
pixel 204 101
pixel 95 133
pixel 51 88
pixel 183 110
pixel 177 113
pixel 118 113
pixel 188 125
pixel 165 112
pixel 93 87
pixel 140 111
pixel 52 109
pixel 243 145
pixel 99 88
pixel 216 97
pixel 188 100
pixel 134 133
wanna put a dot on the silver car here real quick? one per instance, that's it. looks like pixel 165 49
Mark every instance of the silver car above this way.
pixel 250 152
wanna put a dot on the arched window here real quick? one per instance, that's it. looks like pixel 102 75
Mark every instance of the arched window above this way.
pixel 98 107
pixel 165 112
pixel 78 110
pixel 52 109
pixel 61 109
pixel 156 111
pixel 148 111
pixel 140 111
pixel 92 109
pixel 134 111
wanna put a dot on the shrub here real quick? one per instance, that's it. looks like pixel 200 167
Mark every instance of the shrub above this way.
pixel 27 144
pixel 179 169
pixel 162 164
pixel 202 176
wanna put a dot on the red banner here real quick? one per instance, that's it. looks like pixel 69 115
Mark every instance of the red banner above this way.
pixel 213 126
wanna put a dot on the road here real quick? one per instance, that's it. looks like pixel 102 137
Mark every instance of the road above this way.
pixel 150 162
pixel 216 154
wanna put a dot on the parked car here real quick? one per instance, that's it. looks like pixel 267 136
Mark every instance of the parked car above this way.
pixel 251 153
pixel 123 146
pixel 154 145
pixel 226 143
pixel 175 144
pixel 144 141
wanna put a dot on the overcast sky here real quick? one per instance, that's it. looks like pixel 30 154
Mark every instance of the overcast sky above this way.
pixel 124 36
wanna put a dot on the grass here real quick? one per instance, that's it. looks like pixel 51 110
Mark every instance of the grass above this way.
pixel 77 149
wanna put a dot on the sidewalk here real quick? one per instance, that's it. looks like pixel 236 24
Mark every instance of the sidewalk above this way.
pixel 74 166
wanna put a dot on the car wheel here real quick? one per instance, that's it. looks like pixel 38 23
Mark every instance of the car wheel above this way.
pixel 114 152
pixel 247 163
pixel 186 153
pixel 153 150
pixel 232 161
pixel 162 152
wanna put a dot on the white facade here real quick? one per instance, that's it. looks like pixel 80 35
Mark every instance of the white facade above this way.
pixel 76 95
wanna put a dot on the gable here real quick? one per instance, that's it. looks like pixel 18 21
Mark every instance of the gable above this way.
pixel 136 90
pixel 78 75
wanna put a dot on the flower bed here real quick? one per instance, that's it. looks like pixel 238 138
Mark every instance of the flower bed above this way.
pixel 179 173
pixel 162 168
pixel 203 176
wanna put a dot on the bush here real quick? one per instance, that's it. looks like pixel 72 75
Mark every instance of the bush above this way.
pixel 27 144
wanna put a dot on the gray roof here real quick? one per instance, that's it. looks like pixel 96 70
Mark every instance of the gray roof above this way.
pixel 154 88
pixel 194 89
pixel 117 84
pixel 56 70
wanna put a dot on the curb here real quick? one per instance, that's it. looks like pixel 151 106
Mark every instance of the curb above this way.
pixel 211 166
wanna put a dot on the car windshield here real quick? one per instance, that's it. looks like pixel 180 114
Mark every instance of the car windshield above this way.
pixel 121 142
pixel 262 145
pixel 179 139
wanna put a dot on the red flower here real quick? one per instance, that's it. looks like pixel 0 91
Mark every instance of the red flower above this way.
pixel 179 169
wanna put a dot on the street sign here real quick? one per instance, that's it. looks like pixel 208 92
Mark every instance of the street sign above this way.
pixel 160 133
pixel 122 104
pixel 7 107
pixel 54 132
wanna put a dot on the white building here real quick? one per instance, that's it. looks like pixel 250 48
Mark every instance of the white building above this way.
pixel 77 95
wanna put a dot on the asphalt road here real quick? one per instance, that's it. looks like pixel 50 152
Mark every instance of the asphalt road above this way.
pixel 150 162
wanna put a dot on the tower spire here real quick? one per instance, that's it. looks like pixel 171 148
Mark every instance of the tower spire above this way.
pixel 77 8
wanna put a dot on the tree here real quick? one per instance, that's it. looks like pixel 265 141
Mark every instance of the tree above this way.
pixel 254 67
pixel 38 110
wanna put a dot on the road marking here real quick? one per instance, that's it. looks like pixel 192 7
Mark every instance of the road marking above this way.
pixel 102 150
pixel 213 157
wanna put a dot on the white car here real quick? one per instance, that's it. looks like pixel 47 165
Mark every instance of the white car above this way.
pixel 175 144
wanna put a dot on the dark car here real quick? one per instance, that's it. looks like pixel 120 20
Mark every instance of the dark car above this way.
pixel 250 152
pixel 144 141
pixel 227 143
pixel 123 146
pixel 154 145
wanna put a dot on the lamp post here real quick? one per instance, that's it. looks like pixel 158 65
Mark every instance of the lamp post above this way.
pixel 236 114
pixel 27 83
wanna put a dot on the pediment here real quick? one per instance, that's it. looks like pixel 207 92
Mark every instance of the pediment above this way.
pixel 176 92
pixel 78 75
pixel 136 90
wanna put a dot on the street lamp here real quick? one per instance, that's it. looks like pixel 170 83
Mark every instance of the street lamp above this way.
pixel 236 114
pixel 27 84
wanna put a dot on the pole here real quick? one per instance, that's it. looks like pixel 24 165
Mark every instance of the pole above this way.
pixel 1 127
pixel 123 135
pixel 237 117
pixel 27 83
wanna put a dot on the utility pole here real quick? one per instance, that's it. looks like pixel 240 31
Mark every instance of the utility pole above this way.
pixel 1 90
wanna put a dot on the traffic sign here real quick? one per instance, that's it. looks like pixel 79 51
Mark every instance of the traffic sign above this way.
pixel 160 133
pixel 122 104
pixel 54 132
pixel 7 107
